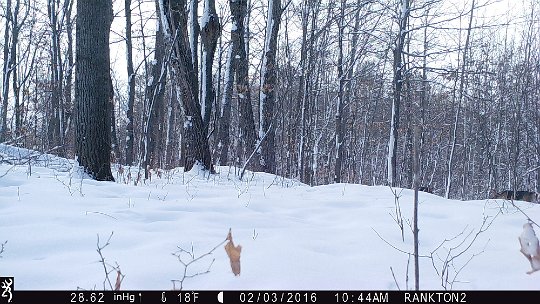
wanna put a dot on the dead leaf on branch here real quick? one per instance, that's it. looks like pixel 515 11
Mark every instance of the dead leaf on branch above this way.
pixel 234 254
pixel 530 247
pixel 118 280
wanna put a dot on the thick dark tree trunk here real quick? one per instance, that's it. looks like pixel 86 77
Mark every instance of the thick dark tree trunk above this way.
pixel 92 81
pixel 248 135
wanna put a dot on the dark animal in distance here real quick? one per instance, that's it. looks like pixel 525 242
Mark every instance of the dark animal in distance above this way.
pixel 527 196
pixel 427 189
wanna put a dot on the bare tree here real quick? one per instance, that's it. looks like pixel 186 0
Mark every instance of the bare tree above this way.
pixel 340 98
pixel 402 20
pixel 459 102
pixel 6 71
pixel 68 87
pixel 55 126
pixel 130 137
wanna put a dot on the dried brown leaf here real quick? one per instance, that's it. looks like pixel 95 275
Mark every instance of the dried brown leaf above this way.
pixel 118 280
pixel 234 254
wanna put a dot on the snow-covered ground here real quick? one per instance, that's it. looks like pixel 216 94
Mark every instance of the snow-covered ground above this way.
pixel 293 236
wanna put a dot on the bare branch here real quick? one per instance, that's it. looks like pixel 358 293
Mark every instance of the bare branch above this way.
pixel 192 259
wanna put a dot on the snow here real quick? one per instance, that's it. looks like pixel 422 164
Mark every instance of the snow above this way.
pixel 293 236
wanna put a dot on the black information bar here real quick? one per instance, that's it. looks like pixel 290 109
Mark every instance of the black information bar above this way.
pixel 241 297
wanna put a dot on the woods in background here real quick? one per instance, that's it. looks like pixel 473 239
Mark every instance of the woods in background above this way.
pixel 321 91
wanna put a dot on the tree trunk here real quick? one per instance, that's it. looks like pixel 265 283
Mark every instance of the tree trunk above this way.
pixel 397 84
pixel 6 72
pixel 237 64
pixel 14 57
pixel 459 105
pixel 55 125
pixel 155 93
pixel 210 32
pixel 92 78
pixel 130 137
pixel 196 148
pixel 267 98
pixel 416 176
pixel 248 135
pixel 194 31
pixel 223 138
pixel 68 102
pixel 114 137
pixel 340 102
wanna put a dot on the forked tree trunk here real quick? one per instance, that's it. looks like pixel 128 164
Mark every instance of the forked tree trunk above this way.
pixel 195 143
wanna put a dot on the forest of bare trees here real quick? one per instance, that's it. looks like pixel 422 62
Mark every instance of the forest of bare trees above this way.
pixel 316 90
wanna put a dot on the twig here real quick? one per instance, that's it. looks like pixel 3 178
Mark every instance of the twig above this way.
pixel 448 280
pixel 520 210
pixel 185 275
pixel 97 212
pixel 254 151
pixel 396 248
pixel 107 272
pixel 399 216
pixel 394 276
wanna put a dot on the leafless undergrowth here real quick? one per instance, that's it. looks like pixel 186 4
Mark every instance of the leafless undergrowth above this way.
pixel 453 254
pixel 187 258
pixel 108 269
pixel 450 257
